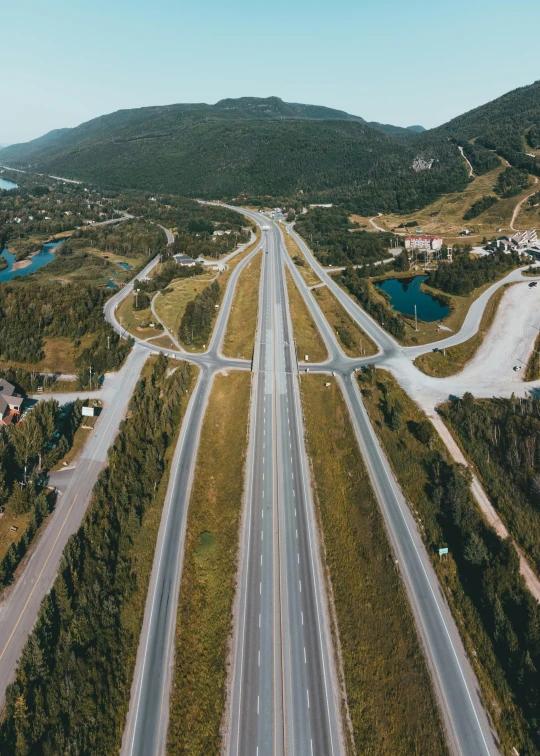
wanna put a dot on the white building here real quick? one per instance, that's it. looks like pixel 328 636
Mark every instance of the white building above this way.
pixel 423 242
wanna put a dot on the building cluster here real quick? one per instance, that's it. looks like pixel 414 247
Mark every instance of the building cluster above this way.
pixel 423 242
pixel 10 403
pixel 521 241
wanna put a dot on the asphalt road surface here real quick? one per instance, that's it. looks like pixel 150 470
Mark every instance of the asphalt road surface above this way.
pixel 283 694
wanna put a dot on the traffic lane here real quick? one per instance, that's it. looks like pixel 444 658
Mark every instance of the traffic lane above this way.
pixel 453 676
pixel 151 710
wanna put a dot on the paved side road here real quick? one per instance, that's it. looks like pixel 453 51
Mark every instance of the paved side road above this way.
pixel 19 610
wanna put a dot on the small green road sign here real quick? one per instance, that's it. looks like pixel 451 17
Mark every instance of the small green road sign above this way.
pixel 443 551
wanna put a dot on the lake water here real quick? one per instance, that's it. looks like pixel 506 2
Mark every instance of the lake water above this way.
pixel 405 293
pixel 125 266
pixel 44 256
pixel 5 184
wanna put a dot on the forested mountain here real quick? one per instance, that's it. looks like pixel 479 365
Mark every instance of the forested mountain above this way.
pixel 251 146
pixel 509 125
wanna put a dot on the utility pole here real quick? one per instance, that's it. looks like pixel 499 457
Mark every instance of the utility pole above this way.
pixel 108 342
pixel 90 373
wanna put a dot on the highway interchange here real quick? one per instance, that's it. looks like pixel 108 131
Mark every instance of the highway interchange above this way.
pixel 284 694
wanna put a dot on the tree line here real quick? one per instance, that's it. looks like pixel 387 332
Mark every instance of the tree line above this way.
pixel 199 315
pixel 467 272
pixel 72 688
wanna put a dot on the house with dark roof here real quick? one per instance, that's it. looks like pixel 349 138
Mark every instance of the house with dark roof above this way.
pixel 10 403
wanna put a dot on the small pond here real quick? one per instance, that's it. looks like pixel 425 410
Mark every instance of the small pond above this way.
pixel 5 184
pixel 41 258
pixel 124 265
pixel 405 293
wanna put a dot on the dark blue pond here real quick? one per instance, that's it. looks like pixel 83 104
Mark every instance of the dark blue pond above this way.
pixel 405 293
pixel 44 256
pixel 125 266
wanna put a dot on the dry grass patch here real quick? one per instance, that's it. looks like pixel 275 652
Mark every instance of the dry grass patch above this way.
pixel 390 697
pixel 131 320
pixel 354 340
pixel 60 356
pixel 441 364
pixel 204 619
pixel 241 328
pixel 300 260
pixel 306 334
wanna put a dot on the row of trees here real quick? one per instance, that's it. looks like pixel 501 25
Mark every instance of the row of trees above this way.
pixel 28 451
pixel 498 613
pixel 73 682
pixel 467 273
pixel 480 206
pixel 362 290
pixel 199 315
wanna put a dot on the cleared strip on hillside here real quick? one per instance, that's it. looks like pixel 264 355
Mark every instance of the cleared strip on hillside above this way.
pixel 242 326
pixel 306 334
pixel 391 703
pixel 210 566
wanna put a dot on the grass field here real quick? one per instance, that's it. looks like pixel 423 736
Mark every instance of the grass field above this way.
pixel 8 536
pixel 60 356
pixel 533 366
pixel 307 272
pixel 355 341
pixel 131 319
pixel 442 364
pixel 390 696
pixel 204 621
pixel 240 335
pixel 171 305
pixel 306 334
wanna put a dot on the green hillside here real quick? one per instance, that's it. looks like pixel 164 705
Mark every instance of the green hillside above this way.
pixel 253 146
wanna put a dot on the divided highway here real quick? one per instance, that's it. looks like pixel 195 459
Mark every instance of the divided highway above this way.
pixel 284 695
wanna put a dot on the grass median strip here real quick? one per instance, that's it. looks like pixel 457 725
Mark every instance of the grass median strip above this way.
pixel 390 698
pixel 210 565
pixel 306 334
pixel 242 325
pixel 441 364
pixel 299 259
pixel 354 340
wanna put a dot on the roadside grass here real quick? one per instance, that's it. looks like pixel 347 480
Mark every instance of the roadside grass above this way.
pixel 532 372
pixel 441 364
pixel 306 334
pixel 411 460
pixel 355 341
pixel 7 536
pixel 82 435
pixel 240 335
pixel 171 304
pixel 306 271
pixel 390 696
pixel 163 341
pixel 60 356
pixel 204 621
pixel 131 319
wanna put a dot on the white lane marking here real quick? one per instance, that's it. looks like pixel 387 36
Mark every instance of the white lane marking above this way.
pixel 259 619
pixel 257 713
pixel 302 613
pixel 261 560
pixel 300 583
pixel 305 659
pixel 260 657
pixel 307 691
pixel 260 588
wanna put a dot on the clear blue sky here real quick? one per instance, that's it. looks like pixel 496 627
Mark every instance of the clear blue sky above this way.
pixel 65 61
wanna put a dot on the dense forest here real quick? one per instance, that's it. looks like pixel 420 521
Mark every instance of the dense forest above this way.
pixel 499 614
pixel 73 682
pixel 383 313
pixel 468 272
pixel 131 238
pixel 481 159
pixel 259 149
pixel 502 438
pixel 336 241
pixel 30 313
pixel 478 207
pixel 199 315
pixel 28 450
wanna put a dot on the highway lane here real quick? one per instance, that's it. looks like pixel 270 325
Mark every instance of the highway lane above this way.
pixel 20 608
pixel 283 691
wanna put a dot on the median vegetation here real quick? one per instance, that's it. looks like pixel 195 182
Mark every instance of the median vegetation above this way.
pixel 307 337
pixel 390 697
pixel 354 340
pixel 72 688
pixel 497 617
pixel 204 622
pixel 242 325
